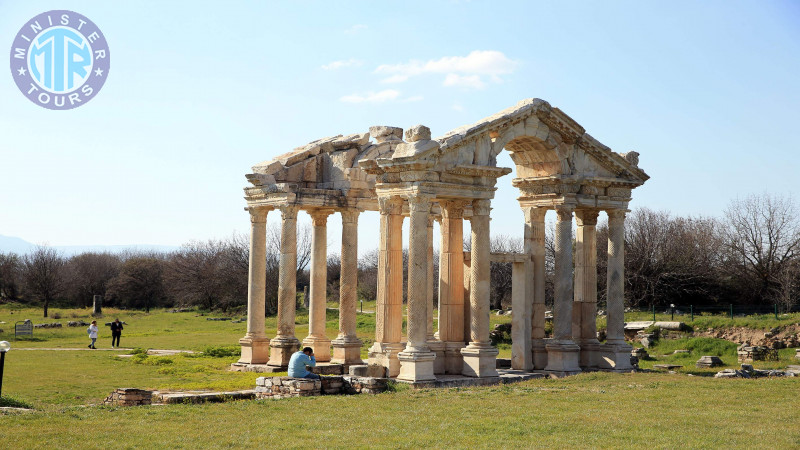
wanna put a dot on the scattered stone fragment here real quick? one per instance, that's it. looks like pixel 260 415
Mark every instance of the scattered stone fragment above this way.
pixel 709 361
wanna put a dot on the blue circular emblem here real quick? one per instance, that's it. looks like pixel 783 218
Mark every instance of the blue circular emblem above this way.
pixel 60 59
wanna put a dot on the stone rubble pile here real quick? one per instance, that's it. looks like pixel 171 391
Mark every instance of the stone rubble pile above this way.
pixel 285 387
pixel 709 361
pixel 129 397
pixel 79 323
pixel 48 325
pixel 747 371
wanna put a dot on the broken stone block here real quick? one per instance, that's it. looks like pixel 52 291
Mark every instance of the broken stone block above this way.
pixel 709 361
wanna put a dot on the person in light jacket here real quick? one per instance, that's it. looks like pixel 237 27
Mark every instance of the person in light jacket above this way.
pixel 299 361
pixel 92 330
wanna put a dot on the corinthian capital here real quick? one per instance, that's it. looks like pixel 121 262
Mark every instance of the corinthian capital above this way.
pixel 289 212
pixel 586 217
pixel 390 205
pixel 564 212
pixel 481 207
pixel 350 215
pixel 258 214
pixel 419 203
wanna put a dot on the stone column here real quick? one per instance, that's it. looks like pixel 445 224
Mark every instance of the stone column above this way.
pixel 347 347
pixel 416 361
pixel 479 355
pixel 434 344
pixel 389 305
pixel 451 285
pixel 562 353
pixel 616 352
pixel 319 270
pixel 534 221
pixel 285 343
pixel 584 308
pixel 521 354
pixel 255 344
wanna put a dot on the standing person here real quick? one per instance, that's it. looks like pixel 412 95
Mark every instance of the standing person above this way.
pixel 116 332
pixel 299 361
pixel 92 330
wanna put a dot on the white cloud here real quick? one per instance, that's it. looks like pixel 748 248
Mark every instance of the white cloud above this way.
pixel 467 81
pixel 464 71
pixel 355 28
pixel 457 107
pixel 371 97
pixel 413 98
pixel 333 65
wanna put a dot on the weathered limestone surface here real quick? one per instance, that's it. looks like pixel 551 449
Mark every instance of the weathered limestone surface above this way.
pixel 255 344
pixel 558 167
pixel 319 265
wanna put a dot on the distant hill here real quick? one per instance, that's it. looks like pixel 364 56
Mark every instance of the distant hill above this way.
pixel 10 244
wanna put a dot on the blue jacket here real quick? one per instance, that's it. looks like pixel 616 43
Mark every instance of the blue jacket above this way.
pixel 298 363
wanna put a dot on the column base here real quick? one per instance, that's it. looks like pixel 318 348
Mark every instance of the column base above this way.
pixel 480 360
pixel 281 349
pixel 615 357
pixel 347 351
pixel 590 354
pixel 438 348
pixel 416 366
pixel 255 350
pixel 453 361
pixel 562 358
pixel 539 350
pixel 385 354
pixel 321 346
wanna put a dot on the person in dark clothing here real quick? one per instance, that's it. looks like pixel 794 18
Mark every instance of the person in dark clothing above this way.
pixel 116 332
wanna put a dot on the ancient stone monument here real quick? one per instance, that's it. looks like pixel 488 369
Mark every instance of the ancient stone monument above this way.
pixel 449 179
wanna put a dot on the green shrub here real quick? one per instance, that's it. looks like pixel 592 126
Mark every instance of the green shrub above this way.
pixel 223 351
pixel 11 402
pixel 158 361
pixel 139 351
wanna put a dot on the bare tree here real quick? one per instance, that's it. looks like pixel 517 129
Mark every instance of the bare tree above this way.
pixel 10 266
pixel 762 238
pixel 88 274
pixel 42 270
pixel 140 283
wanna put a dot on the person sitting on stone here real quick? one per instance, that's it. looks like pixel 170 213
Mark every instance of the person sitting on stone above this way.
pixel 299 361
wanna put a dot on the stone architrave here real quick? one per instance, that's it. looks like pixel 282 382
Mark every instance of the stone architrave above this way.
pixel 285 343
pixel 584 308
pixel 389 305
pixel 479 355
pixel 434 344
pixel 451 285
pixel 534 221
pixel 615 349
pixel 562 352
pixel 319 270
pixel 255 344
pixel 416 361
pixel 347 346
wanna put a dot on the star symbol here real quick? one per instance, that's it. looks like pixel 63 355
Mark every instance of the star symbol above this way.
pixel 21 71
pixel 99 72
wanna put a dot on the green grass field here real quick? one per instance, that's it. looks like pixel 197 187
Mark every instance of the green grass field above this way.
pixel 590 410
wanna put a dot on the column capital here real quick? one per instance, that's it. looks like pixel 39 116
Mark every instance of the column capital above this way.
pixel 319 216
pixel 481 207
pixel 431 219
pixel 349 215
pixel 586 217
pixel 390 205
pixel 258 214
pixel 289 211
pixel 452 209
pixel 616 214
pixel 534 214
pixel 419 203
pixel 565 212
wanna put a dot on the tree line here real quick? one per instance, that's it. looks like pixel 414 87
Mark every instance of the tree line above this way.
pixel 749 256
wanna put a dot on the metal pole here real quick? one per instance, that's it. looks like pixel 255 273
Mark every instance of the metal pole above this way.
pixel 731 311
pixel 776 311
pixel 691 310
pixel 2 363
pixel 654 312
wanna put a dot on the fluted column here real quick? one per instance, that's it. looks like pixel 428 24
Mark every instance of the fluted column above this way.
pixel 416 361
pixel 434 344
pixel 319 270
pixel 255 344
pixel 285 343
pixel 534 219
pixel 451 285
pixel 615 283
pixel 562 353
pixel 389 305
pixel 347 347
pixel 479 355
pixel 615 352
pixel 584 312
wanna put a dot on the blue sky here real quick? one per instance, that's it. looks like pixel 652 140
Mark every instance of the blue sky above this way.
pixel 198 92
